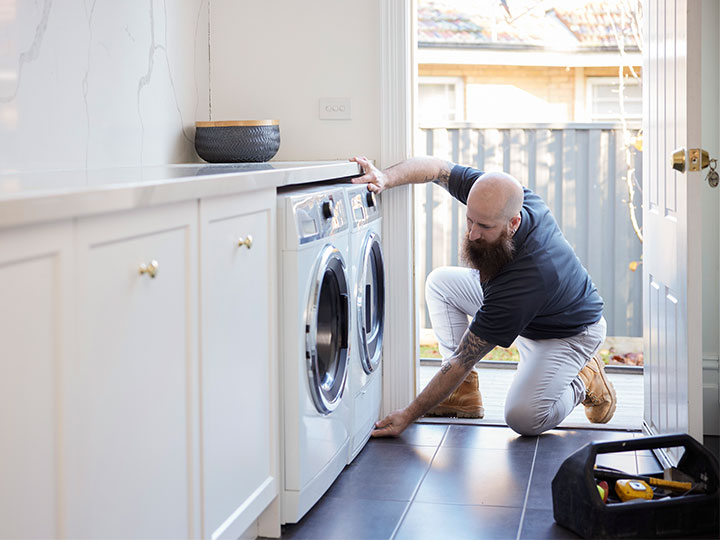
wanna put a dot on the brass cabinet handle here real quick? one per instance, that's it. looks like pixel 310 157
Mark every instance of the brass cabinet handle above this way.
pixel 247 241
pixel 150 269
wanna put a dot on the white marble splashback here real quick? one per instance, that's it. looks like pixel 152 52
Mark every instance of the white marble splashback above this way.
pixel 101 83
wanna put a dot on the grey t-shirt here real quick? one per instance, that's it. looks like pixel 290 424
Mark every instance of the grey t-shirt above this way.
pixel 544 292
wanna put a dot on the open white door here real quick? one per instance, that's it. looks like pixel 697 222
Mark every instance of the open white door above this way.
pixel 672 281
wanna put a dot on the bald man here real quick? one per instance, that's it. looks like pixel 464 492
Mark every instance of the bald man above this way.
pixel 523 284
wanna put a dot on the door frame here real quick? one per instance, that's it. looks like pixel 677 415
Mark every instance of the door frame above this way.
pixel 400 346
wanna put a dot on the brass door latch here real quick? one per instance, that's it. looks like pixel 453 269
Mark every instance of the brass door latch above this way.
pixel 698 159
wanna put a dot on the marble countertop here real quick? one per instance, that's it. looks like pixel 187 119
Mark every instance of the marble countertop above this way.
pixel 48 196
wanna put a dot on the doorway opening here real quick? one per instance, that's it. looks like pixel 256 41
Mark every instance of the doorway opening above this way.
pixel 550 92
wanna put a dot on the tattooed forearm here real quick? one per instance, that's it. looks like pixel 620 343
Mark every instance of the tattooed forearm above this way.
pixel 445 170
pixel 451 373
pixel 471 349
pixel 443 178
pixel 418 170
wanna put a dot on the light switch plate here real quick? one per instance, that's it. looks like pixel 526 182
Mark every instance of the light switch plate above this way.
pixel 335 108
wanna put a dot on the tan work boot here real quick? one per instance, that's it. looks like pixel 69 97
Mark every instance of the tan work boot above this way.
pixel 464 402
pixel 600 400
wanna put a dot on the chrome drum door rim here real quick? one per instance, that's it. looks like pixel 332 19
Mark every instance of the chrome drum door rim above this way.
pixel 328 255
pixel 368 361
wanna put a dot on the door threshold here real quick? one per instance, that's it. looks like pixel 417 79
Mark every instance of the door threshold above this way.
pixel 498 423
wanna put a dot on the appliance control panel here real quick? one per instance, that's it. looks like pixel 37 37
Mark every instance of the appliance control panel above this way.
pixel 364 205
pixel 319 215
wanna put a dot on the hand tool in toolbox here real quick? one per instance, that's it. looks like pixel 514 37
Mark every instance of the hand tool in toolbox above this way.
pixel 599 512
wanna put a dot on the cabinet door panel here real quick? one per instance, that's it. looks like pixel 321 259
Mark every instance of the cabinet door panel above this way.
pixel 235 367
pixel 130 458
pixel 34 324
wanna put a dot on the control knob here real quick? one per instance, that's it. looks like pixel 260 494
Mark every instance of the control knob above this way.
pixel 327 209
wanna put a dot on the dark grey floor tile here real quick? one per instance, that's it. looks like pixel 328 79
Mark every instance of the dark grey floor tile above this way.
pixel 417 435
pixel 435 521
pixel 384 471
pixel 540 524
pixel 477 477
pixel 561 443
pixel 556 445
pixel 540 493
pixel 335 518
pixel 553 448
pixel 486 437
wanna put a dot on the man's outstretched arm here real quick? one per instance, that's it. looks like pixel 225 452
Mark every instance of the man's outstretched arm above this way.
pixel 416 170
pixel 452 372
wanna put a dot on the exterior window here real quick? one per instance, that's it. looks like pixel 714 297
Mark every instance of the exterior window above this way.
pixel 440 99
pixel 603 99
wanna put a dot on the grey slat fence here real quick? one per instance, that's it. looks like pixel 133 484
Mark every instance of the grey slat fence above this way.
pixel 578 169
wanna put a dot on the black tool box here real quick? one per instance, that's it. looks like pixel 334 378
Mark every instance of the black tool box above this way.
pixel 578 506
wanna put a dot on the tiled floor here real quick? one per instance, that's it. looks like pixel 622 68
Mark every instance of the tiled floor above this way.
pixel 455 481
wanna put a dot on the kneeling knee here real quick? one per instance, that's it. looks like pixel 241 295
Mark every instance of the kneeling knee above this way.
pixel 524 421
pixel 434 280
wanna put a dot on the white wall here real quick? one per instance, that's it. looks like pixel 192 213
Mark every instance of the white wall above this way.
pixel 275 58
pixel 101 84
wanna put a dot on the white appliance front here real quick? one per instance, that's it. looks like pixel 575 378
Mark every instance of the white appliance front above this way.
pixel 315 304
pixel 368 314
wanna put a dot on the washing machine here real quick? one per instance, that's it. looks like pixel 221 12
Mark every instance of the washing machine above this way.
pixel 367 271
pixel 314 341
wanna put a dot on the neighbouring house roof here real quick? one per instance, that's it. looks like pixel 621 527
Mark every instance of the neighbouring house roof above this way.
pixel 565 25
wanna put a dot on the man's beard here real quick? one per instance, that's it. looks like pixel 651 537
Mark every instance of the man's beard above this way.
pixel 488 258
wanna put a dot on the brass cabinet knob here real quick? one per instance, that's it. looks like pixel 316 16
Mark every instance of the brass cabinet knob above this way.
pixel 247 241
pixel 150 269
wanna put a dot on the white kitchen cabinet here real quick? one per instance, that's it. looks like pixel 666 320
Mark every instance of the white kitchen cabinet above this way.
pixel 131 461
pixel 35 336
pixel 238 374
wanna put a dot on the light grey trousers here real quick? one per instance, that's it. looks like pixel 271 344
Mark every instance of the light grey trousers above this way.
pixel 546 387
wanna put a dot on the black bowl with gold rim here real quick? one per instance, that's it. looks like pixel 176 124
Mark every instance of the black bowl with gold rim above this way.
pixel 236 141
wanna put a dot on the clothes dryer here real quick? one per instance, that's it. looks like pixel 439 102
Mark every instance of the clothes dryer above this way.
pixel 314 340
pixel 368 314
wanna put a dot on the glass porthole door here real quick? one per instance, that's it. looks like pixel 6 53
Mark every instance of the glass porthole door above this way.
pixel 326 331
pixel 371 302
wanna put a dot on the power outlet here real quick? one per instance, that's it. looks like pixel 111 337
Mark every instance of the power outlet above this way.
pixel 335 109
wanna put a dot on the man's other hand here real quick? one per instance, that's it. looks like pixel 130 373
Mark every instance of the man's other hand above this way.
pixel 376 180
pixel 393 424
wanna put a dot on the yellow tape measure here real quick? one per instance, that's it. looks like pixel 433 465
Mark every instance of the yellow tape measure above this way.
pixel 628 489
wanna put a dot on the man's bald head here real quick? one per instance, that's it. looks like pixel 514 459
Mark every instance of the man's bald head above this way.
pixel 496 194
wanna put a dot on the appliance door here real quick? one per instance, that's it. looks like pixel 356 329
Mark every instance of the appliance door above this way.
pixel 371 302
pixel 326 331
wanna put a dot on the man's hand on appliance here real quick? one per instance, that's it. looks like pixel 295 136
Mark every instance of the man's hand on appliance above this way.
pixel 375 179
